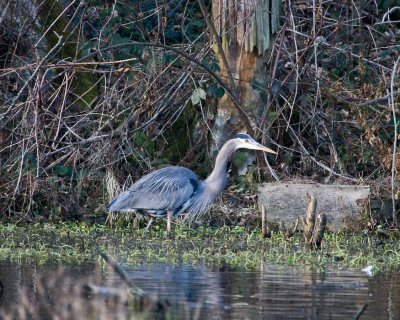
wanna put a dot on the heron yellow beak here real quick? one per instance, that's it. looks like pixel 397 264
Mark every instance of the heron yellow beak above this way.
pixel 252 144
pixel 262 148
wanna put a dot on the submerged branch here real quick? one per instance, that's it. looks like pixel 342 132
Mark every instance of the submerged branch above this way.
pixel 122 273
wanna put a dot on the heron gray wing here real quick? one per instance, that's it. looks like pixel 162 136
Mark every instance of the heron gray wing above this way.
pixel 168 179
pixel 164 189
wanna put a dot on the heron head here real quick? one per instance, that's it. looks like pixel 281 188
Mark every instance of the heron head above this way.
pixel 244 141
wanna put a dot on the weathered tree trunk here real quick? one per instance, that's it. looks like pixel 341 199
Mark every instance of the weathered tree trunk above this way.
pixel 245 31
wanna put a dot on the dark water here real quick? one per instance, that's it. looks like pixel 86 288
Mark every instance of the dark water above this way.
pixel 201 292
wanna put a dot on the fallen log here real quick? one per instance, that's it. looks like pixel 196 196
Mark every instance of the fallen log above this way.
pixel 286 202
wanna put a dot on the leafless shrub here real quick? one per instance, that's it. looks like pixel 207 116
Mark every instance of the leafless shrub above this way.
pixel 334 119
pixel 76 105
pixel 76 100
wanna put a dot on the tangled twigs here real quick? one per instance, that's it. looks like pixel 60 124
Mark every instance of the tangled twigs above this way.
pixel 16 98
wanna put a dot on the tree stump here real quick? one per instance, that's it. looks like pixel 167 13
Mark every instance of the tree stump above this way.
pixel 309 222
pixel 314 225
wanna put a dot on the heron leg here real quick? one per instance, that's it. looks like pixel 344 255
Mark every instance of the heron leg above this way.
pixel 169 219
pixel 148 225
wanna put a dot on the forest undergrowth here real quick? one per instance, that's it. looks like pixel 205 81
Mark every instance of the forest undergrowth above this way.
pixel 95 94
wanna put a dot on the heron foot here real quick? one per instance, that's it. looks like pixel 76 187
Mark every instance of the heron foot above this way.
pixel 146 230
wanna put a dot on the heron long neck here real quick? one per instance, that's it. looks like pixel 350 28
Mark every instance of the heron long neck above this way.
pixel 218 177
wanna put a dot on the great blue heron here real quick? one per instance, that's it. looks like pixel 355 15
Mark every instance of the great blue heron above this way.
pixel 174 190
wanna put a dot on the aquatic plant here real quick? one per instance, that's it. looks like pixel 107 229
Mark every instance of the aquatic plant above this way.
pixel 233 246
